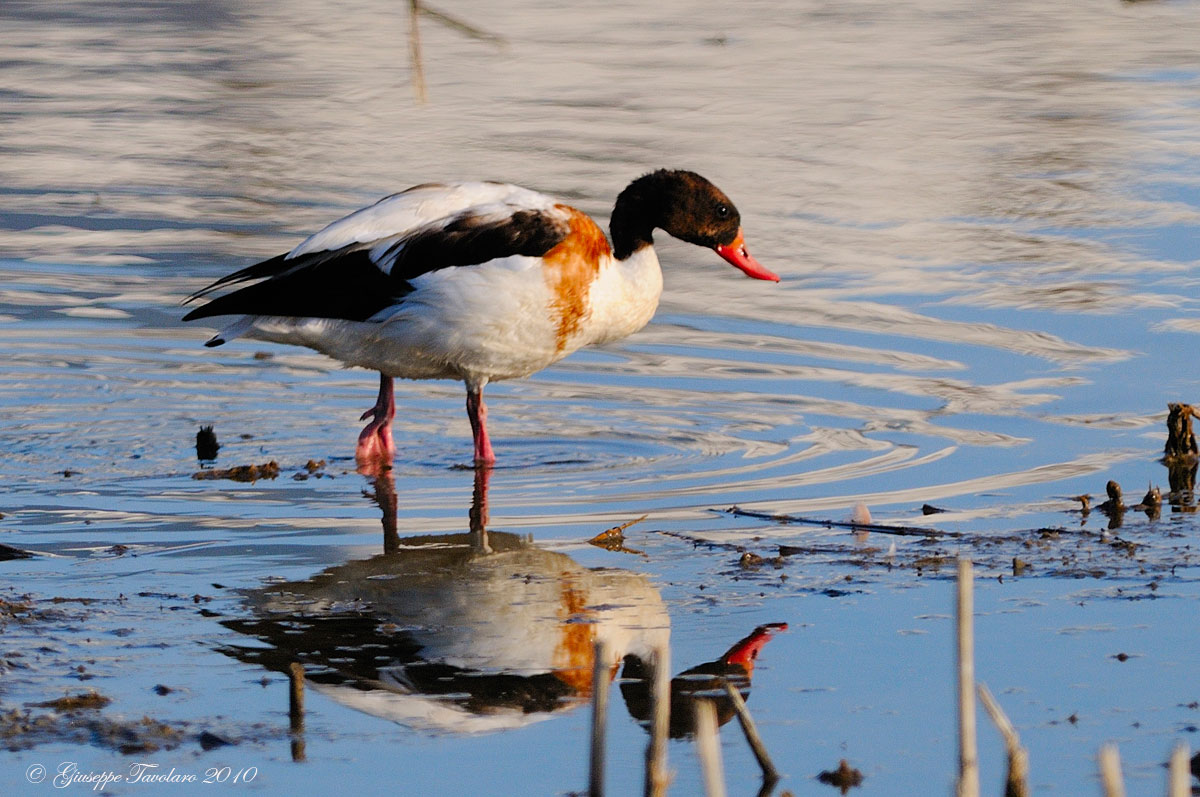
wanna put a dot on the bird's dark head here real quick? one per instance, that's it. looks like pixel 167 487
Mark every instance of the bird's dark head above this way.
pixel 688 207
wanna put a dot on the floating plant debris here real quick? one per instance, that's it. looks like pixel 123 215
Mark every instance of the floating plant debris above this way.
pixel 84 701
pixel 241 473
pixel 614 539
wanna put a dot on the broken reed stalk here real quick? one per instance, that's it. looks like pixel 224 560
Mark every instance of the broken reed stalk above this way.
pixel 1178 779
pixel 708 747
pixel 968 754
pixel 296 709
pixel 414 46
pixel 599 718
pixel 1110 771
pixel 657 778
pixel 1017 783
pixel 770 774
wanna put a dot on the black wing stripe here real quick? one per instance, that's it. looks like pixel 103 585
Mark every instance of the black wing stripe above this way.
pixel 470 239
pixel 348 283
pixel 266 268
pixel 354 289
pixel 278 266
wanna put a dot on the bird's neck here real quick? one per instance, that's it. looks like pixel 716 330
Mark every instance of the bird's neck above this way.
pixel 634 218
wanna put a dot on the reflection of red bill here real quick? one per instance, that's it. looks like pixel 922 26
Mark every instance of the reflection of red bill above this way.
pixel 745 652
pixel 736 255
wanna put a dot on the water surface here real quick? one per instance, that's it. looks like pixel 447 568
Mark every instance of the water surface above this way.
pixel 985 219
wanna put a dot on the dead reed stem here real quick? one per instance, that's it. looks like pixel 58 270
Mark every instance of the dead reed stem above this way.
pixel 296 709
pixel 1017 783
pixel 1110 771
pixel 657 778
pixel 968 755
pixel 748 727
pixel 599 719
pixel 414 46
pixel 708 747
pixel 1179 780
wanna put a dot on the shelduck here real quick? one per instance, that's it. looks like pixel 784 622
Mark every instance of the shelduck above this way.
pixel 473 281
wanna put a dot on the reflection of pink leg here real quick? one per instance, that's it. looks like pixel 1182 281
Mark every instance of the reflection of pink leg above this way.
pixel 375 441
pixel 477 412
pixel 479 510
pixel 385 496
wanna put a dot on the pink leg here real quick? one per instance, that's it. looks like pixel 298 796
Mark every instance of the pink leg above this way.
pixel 477 412
pixel 375 441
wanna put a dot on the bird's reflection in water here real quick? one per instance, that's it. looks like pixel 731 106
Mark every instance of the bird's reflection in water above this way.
pixel 735 666
pixel 466 633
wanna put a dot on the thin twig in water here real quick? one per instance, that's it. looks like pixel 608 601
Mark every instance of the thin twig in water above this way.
pixel 881 528
pixel 770 774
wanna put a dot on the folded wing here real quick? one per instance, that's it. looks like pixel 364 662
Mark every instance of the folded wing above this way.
pixel 367 261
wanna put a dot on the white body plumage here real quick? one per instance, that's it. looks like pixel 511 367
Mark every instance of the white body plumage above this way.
pixel 479 323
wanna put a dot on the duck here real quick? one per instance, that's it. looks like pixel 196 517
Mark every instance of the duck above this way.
pixel 472 281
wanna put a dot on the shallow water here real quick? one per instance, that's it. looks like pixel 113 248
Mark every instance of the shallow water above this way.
pixel 985 219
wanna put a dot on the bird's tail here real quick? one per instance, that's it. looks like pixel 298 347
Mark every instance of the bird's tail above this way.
pixel 234 330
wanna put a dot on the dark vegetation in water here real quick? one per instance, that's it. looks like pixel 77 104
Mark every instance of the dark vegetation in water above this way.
pixel 844 778
pixel 1060 551
pixel 1180 453
pixel 206 444
pixel 76 719
pixel 83 701
pixel 20 609
pixel 1181 441
pixel 314 468
pixel 22 729
pixel 1121 549
pixel 85 717
pixel 72 718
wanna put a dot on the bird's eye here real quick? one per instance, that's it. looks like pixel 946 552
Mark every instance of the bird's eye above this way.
pixel 723 211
